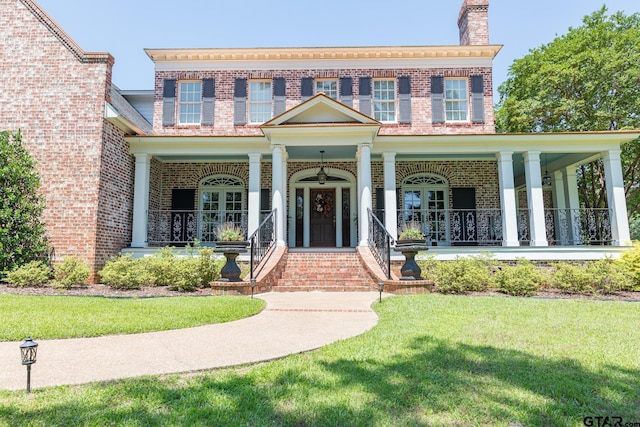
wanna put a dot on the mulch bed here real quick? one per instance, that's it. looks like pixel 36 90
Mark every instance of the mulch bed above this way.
pixel 163 291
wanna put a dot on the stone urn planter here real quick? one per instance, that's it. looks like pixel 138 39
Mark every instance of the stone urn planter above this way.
pixel 230 271
pixel 410 248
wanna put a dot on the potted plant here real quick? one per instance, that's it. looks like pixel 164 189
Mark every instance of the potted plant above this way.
pixel 410 241
pixel 231 242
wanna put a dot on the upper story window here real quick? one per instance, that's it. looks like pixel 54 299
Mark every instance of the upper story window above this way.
pixel 456 100
pixel 328 87
pixel 190 103
pixel 259 101
pixel 384 100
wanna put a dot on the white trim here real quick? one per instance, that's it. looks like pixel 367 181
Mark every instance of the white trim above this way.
pixel 295 184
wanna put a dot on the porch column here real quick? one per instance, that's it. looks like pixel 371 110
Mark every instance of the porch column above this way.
pixel 535 200
pixel 562 217
pixel 277 196
pixel 616 198
pixel 141 201
pixel 573 204
pixel 253 204
pixel 390 197
pixel 285 228
pixel 364 196
pixel 507 199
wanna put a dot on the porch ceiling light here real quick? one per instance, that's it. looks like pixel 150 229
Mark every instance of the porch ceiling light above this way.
pixel 546 178
pixel 322 175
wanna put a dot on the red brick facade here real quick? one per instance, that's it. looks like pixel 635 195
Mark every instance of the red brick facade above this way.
pixel 55 94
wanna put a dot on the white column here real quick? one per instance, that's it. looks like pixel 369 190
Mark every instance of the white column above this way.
pixel 141 201
pixel 364 195
pixel 390 197
pixel 253 204
pixel 572 201
pixel 277 195
pixel 285 230
pixel 535 200
pixel 616 198
pixel 562 214
pixel 507 199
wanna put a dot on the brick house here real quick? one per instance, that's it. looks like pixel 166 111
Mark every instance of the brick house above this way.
pixel 326 140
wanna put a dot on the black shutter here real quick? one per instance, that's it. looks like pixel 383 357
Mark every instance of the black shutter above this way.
pixel 364 95
pixel 264 199
pixel 404 99
pixel 240 102
pixel 380 204
pixel 437 99
pixel 208 101
pixel 169 102
pixel 464 208
pixel 182 216
pixel 279 95
pixel 306 88
pixel 477 99
pixel 346 91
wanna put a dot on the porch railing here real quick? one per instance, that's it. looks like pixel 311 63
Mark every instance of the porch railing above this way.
pixel 262 241
pixel 380 242
pixel 468 227
pixel 179 227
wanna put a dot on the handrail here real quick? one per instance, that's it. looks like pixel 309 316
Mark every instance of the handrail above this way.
pixel 380 242
pixel 262 240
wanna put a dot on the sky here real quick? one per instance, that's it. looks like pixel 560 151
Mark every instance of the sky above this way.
pixel 125 28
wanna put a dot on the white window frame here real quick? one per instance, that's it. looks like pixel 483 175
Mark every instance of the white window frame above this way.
pixel 331 92
pixel 257 91
pixel 456 106
pixel 435 220
pixel 190 100
pixel 383 106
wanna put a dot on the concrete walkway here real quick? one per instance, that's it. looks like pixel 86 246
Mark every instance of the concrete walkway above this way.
pixel 291 323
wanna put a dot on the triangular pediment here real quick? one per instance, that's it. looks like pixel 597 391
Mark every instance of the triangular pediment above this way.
pixel 319 110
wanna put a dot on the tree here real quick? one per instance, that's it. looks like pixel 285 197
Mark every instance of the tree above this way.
pixel 585 80
pixel 22 233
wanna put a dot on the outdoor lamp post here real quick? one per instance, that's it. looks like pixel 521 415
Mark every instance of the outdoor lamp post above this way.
pixel 28 351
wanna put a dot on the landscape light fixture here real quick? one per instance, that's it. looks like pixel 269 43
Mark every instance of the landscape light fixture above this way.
pixel 28 350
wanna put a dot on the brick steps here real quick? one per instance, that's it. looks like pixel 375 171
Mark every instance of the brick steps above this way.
pixel 321 271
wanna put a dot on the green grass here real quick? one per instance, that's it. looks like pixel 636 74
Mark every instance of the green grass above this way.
pixel 45 317
pixel 432 360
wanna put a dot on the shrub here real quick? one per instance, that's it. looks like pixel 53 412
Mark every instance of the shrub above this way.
pixel 33 273
pixel 428 266
pixel 125 272
pixel 608 277
pixel 161 266
pixel 521 279
pixel 209 266
pixel 71 271
pixel 187 275
pixel 462 275
pixel 630 262
pixel 570 277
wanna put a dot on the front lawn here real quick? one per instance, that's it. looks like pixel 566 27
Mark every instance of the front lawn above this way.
pixel 433 360
pixel 46 317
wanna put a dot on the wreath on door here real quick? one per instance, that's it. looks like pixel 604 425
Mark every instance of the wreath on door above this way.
pixel 322 204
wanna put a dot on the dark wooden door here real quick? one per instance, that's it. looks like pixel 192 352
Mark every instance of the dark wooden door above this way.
pixel 323 218
pixel 182 216
pixel 464 205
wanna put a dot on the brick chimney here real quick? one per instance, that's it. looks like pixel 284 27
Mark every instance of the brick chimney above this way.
pixel 473 22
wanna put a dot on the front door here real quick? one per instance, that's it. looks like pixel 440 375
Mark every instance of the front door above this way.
pixel 323 218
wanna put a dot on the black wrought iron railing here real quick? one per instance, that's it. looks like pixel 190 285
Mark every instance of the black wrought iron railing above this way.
pixel 261 242
pixel 380 242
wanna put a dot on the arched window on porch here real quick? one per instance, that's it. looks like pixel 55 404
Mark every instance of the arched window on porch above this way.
pixel 221 199
pixel 425 199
